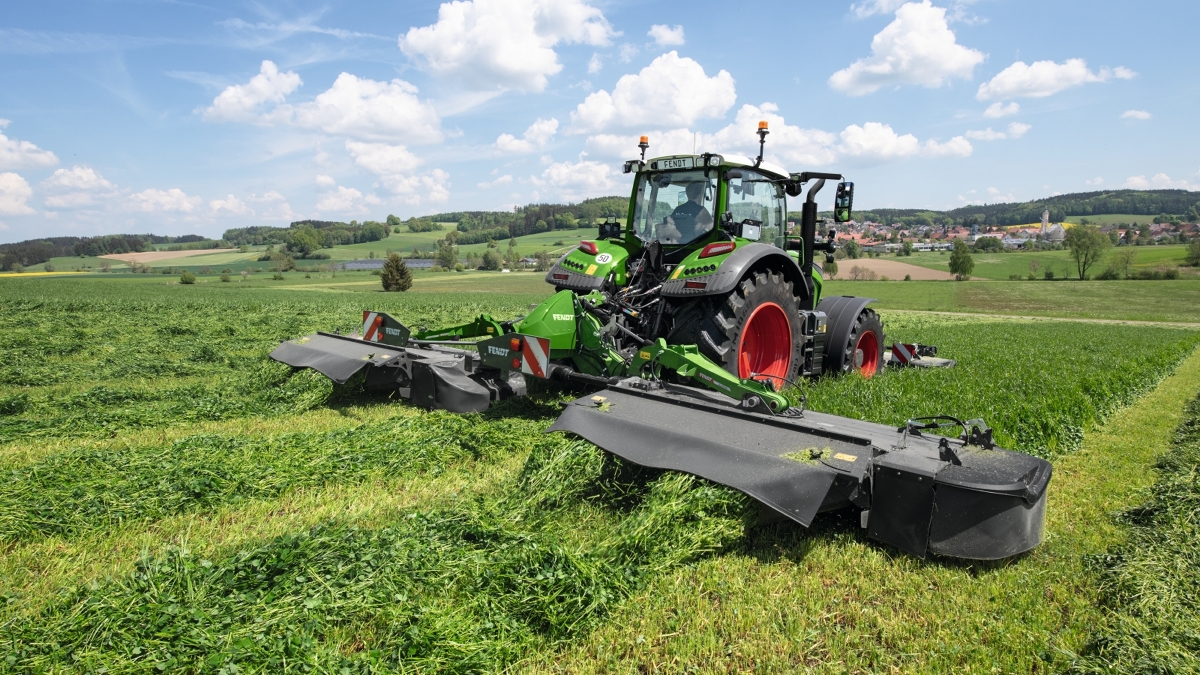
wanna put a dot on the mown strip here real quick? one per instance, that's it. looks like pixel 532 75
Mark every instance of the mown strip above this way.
pixel 1150 583
pixel 466 588
pixel 86 489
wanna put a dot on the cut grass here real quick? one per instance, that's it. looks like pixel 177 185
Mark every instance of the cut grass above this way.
pixel 1150 584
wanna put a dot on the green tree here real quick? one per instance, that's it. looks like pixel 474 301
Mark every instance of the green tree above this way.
pixel 831 268
pixel 393 222
pixel 491 260
pixel 907 249
pixel 395 275
pixel 961 262
pixel 1122 259
pixel 305 242
pixel 1193 253
pixel 1088 244
pixel 446 255
pixel 853 250
pixel 187 278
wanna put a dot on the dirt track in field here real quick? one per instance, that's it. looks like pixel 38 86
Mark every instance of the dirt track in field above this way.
pixel 155 256
pixel 892 269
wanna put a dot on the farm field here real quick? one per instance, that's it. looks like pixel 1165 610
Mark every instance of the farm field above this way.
pixel 999 266
pixel 172 499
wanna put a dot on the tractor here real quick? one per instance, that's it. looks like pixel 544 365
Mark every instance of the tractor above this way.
pixel 688 321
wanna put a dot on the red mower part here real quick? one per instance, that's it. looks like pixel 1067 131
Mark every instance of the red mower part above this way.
pixel 866 354
pixel 765 345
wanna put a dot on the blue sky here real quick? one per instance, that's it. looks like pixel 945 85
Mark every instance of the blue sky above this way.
pixel 193 117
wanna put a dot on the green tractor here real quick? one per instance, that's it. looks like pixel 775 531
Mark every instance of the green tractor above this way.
pixel 689 321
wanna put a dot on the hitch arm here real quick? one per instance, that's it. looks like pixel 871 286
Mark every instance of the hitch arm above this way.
pixel 687 361
pixel 483 326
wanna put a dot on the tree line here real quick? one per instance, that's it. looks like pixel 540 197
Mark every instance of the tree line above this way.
pixel 37 251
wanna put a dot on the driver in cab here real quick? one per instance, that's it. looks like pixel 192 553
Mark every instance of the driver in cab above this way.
pixel 690 219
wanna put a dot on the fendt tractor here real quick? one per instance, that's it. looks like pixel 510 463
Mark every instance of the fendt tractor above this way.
pixel 688 322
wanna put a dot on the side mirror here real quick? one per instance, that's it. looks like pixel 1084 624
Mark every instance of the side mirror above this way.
pixel 843 203
pixel 610 229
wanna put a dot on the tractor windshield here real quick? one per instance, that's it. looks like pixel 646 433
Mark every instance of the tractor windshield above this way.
pixel 674 207
pixel 754 197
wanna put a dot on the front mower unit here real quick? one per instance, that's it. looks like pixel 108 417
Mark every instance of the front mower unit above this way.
pixel 955 497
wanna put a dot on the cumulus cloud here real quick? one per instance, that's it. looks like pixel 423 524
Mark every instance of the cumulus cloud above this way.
pixel 536 136
pixel 595 64
pixel 1044 78
pixel 345 200
pixel 1015 130
pixel 14 192
pixel 242 102
pixel 670 92
pixel 353 107
pixel 789 144
pixel 16 154
pixel 578 180
pixel 164 201
pixel 230 206
pixel 501 181
pixel 917 47
pixel 1135 115
pixel 397 171
pixel 275 207
pixel 999 109
pixel 665 35
pixel 325 181
pixel 1095 181
pixel 1158 181
pixel 955 147
pixel 505 44
pixel 76 187
pixel 877 141
pixel 369 110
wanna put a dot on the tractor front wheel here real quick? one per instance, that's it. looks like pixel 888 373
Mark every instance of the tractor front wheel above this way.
pixel 862 350
pixel 753 332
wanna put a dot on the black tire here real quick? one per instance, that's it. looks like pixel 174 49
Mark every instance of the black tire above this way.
pixel 715 324
pixel 843 359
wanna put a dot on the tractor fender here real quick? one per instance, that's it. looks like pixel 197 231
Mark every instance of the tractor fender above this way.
pixel 737 266
pixel 841 312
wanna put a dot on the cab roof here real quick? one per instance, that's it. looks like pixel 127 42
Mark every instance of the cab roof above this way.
pixel 727 161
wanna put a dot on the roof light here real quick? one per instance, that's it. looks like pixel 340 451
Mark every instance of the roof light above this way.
pixel 588 247
pixel 644 139
pixel 717 248
pixel 762 124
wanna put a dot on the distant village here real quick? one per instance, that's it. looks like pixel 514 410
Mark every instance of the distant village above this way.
pixel 881 238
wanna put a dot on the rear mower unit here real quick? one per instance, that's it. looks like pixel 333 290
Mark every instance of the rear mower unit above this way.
pixel 689 326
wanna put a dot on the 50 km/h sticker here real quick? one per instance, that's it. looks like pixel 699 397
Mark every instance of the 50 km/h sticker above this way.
pixel 604 258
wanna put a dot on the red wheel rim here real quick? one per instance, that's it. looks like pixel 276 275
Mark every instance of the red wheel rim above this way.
pixel 866 353
pixel 765 346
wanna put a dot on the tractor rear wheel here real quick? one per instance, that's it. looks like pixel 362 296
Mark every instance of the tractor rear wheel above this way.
pixel 753 332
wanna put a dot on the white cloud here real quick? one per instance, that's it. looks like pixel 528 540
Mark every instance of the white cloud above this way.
pixel 396 168
pixel 999 109
pixel 76 187
pixel 369 110
pixel 172 200
pixel 1135 115
pixel 1015 130
pixel 665 35
pixel 502 180
pixel 241 102
pixel 627 52
pixel 1018 129
pixel 955 147
pixel 1123 73
pixel 670 92
pixel 536 136
pixel 878 142
pixel 1158 181
pixel 353 107
pixel 231 206
pixel 342 200
pixel 868 8
pixel 324 181
pixel 578 180
pixel 383 159
pixel 595 64
pixel 1043 78
pixel 277 207
pixel 1095 181
pixel 506 44
pixel 14 192
pixel 16 154
pixel 918 47
pixel 787 144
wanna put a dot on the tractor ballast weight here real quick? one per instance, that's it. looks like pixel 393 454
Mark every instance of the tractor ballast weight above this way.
pixel 688 323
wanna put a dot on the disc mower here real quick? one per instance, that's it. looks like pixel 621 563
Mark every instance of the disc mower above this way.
pixel 688 321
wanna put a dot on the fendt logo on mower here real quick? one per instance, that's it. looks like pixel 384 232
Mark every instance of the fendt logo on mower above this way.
pixel 497 351
pixel 563 317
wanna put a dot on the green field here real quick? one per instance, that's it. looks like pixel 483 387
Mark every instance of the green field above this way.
pixel 1000 266
pixel 171 500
